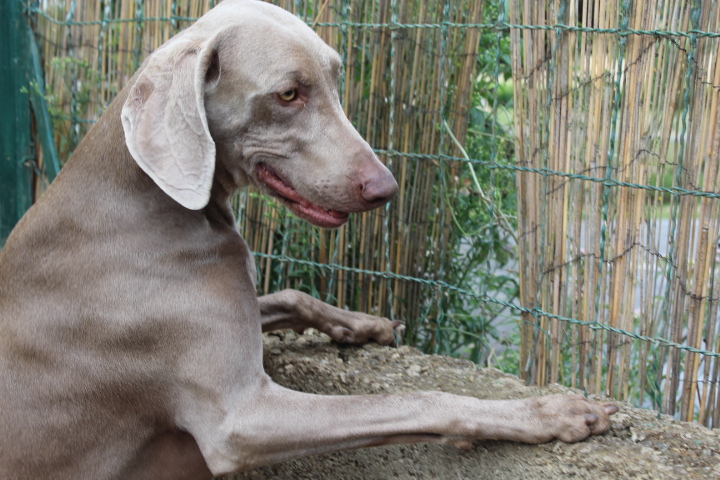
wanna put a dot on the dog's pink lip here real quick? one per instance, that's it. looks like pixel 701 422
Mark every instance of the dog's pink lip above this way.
pixel 302 207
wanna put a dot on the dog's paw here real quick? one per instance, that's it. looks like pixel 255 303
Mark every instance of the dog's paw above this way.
pixel 569 418
pixel 362 329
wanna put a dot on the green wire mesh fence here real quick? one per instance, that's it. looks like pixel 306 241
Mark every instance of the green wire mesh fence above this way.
pixel 558 171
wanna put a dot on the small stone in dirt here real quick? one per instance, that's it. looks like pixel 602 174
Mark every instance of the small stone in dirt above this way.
pixel 414 370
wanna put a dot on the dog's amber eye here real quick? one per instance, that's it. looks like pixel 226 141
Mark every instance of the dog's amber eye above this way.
pixel 289 95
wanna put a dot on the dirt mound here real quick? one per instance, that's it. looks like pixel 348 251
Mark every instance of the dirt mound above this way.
pixel 640 445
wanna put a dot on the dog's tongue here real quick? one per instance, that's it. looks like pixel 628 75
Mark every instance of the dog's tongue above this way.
pixel 302 207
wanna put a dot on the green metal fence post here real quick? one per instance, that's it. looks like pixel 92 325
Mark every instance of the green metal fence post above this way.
pixel 15 127
pixel 43 123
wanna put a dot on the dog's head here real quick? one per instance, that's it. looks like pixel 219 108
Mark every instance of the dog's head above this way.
pixel 251 90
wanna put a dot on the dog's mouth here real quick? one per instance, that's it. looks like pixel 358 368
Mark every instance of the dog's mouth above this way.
pixel 300 206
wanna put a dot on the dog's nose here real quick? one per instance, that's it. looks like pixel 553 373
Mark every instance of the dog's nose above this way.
pixel 379 189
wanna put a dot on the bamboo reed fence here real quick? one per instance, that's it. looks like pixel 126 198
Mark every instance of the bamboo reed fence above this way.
pixel 616 137
pixel 626 236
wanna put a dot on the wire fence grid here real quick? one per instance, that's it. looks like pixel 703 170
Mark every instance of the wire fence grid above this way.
pixel 580 137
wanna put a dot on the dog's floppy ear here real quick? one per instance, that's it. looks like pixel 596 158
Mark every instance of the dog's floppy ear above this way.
pixel 165 125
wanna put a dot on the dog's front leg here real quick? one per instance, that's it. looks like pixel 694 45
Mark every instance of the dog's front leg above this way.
pixel 297 310
pixel 271 423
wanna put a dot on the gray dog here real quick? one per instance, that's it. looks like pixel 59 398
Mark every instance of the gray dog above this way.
pixel 130 331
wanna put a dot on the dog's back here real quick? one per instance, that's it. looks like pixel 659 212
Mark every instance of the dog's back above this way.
pixel 82 339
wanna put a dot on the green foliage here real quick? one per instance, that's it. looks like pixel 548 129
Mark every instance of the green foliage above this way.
pixel 483 247
pixel 77 78
pixel 508 360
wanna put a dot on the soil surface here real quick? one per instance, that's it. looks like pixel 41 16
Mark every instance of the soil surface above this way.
pixel 640 444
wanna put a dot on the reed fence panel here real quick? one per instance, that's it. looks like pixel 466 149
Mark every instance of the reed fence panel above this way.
pixel 616 116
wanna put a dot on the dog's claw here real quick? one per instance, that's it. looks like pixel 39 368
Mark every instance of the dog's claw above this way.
pixel 591 418
pixel 610 408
